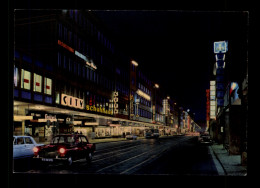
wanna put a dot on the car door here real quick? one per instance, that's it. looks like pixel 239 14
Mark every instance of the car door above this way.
pixel 29 145
pixel 83 146
pixel 18 147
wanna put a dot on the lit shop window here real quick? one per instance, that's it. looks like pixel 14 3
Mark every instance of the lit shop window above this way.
pixel 37 83
pixel 47 86
pixel 25 79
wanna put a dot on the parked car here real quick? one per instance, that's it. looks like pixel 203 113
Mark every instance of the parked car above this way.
pixel 205 138
pixel 65 148
pixel 152 133
pixel 130 136
pixel 23 146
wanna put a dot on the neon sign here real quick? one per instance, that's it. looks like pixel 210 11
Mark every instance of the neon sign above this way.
pixel 65 46
pixel 80 55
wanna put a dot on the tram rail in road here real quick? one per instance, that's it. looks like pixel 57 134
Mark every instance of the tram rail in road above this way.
pixel 123 157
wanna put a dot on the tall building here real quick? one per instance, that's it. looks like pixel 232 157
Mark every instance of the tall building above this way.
pixel 69 76
pixel 230 125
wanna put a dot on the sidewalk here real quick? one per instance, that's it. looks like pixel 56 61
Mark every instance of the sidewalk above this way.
pixel 231 164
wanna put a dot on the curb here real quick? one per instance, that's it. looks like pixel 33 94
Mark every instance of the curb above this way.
pixel 219 161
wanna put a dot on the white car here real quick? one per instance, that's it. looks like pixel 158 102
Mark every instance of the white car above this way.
pixel 23 146
pixel 130 136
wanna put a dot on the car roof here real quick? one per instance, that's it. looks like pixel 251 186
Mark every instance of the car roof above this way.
pixel 70 135
pixel 20 136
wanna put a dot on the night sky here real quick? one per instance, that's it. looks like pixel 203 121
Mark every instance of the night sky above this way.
pixel 175 48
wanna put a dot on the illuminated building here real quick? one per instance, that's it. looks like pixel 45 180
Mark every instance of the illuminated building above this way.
pixel 68 76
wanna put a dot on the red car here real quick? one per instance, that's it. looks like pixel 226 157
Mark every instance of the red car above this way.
pixel 65 148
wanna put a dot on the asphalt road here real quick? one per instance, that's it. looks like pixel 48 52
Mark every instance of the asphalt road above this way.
pixel 178 155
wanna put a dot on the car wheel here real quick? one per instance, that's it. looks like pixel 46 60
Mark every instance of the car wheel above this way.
pixel 69 161
pixel 89 157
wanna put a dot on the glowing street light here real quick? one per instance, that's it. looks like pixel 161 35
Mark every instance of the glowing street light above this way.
pixel 156 86
pixel 134 63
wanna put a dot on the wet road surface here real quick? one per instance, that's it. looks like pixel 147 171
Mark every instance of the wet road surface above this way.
pixel 175 155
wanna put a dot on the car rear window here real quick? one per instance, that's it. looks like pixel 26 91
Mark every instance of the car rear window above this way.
pixel 20 140
pixel 58 140
pixel 28 140
pixel 70 139
pixel 83 139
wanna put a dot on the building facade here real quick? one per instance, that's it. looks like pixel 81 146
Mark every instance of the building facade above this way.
pixel 69 77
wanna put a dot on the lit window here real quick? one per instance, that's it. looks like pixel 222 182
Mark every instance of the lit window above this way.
pixel 47 86
pixel 26 79
pixel 37 83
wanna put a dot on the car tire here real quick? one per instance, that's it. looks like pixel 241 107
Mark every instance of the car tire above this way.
pixel 89 157
pixel 69 161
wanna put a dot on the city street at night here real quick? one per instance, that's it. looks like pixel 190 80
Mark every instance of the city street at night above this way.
pixel 173 155
pixel 127 93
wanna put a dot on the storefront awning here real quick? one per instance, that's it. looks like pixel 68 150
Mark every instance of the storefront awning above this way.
pixel 57 110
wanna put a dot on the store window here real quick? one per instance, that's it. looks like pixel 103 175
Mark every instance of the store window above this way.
pixel 37 83
pixel 25 79
pixel 47 86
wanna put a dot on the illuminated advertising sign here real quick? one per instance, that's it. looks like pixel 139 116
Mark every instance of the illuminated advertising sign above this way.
pixel 212 98
pixel 67 100
pixel 115 102
pixel 220 47
pixel 207 104
pixel 65 46
pixel 144 95
pixel 91 65
pixel 81 55
pixel 233 93
pixel 98 109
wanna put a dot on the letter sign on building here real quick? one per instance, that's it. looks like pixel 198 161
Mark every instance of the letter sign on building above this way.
pixel 67 100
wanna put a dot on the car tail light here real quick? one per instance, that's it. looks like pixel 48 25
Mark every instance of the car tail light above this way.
pixel 36 150
pixel 62 150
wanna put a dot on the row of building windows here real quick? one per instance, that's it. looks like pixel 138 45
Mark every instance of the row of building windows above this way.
pixel 144 79
pixel 83 71
pixel 40 83
pixel 85 24
pixel 144 113
pixel 144 89
pixel 68 36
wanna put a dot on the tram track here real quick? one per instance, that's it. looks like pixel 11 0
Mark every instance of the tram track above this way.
pixel 120 158
pixel 132 163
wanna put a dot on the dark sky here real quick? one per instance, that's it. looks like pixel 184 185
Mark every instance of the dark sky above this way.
pixel 175 48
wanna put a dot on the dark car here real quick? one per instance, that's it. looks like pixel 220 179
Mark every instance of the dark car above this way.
pixel 152 133
pixel 205 139
pixel 65 148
